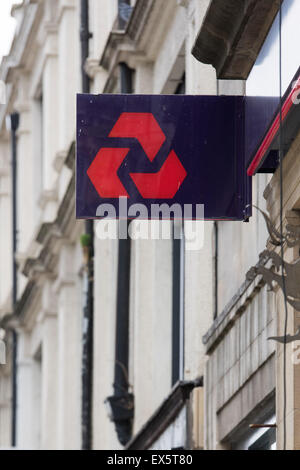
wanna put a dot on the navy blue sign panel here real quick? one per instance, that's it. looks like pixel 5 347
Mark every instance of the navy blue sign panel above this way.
pixel 162 149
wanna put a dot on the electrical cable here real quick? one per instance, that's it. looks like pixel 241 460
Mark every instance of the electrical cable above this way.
pixel 281 232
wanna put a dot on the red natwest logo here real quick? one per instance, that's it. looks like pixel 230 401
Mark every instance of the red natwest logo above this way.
pixel 163 184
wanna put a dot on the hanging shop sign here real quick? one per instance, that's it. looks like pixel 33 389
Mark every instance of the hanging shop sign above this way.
pixel 162 149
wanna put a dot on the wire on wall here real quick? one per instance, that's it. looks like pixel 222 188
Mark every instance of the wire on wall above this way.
pixel 281 231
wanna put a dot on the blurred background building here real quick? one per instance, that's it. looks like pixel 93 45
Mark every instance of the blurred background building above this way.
pixel 139 343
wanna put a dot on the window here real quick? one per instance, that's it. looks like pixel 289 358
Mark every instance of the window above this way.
pixel 267 441
pixel 263 438
pixel 264 77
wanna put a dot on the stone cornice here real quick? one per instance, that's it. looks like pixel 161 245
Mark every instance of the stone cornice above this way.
pixel 47 196
pixel 163 416
pixel 133 45
pixel 19 53
pixel 51 27
pixel 20 43
pixel 28 294
pixel 62 282
pixel 111 83
pixel 50 47
pixel 138 18
pixel 6 308
pixel 70 158
pixel 59 160
pixel 232 34
pixel 50 236
pixel 65 5
pixel 112 48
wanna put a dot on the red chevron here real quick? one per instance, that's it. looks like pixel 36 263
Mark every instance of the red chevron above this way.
pixel 165 183
pixel 103 172
pixel 143 127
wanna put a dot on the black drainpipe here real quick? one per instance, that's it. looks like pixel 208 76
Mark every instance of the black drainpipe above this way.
pixel 122 402
pixel 216 267
pixel 88 311
pixel 14 121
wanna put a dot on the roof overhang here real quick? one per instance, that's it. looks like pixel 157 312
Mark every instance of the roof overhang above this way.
pixel 164 415
pixel 287 117
pixel 232 34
